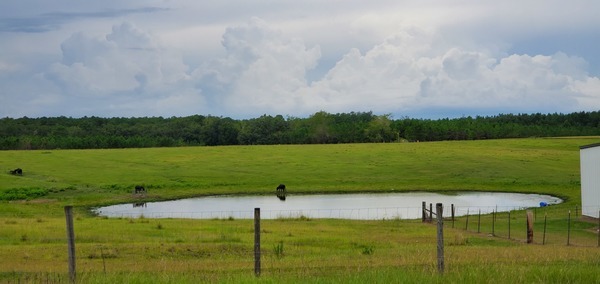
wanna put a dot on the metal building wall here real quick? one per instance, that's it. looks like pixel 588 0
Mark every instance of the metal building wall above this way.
pixel 590 180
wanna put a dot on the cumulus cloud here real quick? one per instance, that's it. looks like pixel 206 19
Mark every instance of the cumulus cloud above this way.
pixel 263 71
pixel 128 68
pixel 400 75
pixel 125 60
pixel 399 57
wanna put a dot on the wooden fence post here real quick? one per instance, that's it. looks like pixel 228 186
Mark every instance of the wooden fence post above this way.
pixel 494 223
pixel 423 211
pixel 440 237
pixel 467 221
pixel 479 221
pixel 569 229
pixel 529 227
pixel 452 210
pixel 430 212
pixel 257 241
pixel 71 242
pixel 509 224
pixel 545 219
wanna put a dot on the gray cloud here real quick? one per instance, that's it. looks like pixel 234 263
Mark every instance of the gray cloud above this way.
pixel 54 20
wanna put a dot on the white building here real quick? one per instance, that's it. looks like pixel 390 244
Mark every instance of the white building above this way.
pixel 590 180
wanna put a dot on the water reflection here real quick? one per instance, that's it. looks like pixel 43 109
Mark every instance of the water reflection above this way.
pixel 139 204
pixel 281 195
pixel 342 206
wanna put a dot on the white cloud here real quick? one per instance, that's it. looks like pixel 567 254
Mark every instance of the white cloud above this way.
pixel 128 69
pixel 262 71
pixel 296 58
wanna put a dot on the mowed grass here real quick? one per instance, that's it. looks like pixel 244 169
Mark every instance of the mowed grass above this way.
pixel 89 177
pixel 33 238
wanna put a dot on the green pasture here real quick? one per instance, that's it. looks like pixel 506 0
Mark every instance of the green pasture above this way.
pixel 90 177
pixel 303 250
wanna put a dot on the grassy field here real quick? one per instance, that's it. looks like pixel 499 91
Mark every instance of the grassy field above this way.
pixel 33 238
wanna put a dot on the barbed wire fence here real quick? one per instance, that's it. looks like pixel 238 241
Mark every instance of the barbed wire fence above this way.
pixel 553 226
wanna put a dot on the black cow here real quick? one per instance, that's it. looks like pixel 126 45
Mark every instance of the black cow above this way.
pixel 281 187
pixel 281 194
pixel 17 171
pixel 139 188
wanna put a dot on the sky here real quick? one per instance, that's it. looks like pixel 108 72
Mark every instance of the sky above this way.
pixel 246 58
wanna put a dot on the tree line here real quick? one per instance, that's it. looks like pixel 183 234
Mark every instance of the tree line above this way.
pixel 320 128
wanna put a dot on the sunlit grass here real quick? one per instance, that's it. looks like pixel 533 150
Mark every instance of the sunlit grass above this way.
pixel 295 250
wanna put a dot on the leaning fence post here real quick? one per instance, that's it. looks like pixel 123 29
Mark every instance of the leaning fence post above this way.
pixel 440 237
pixel 71 242
pixel 529 226
pixel 257 241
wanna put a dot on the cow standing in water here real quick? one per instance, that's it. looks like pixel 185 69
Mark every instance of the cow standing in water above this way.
pixel 139 189
pixel 281 194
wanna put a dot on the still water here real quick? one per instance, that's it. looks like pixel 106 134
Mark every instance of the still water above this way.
pixel 364 206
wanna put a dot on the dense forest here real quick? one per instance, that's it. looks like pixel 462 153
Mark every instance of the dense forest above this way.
pixel 321 127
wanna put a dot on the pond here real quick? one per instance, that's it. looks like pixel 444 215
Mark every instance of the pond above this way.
pixel 365 206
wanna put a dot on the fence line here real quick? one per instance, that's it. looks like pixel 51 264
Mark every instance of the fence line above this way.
pixel 498 221
pixel 561 229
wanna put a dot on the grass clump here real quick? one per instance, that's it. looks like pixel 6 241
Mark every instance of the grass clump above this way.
pixel 22 193
pixel 278 250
